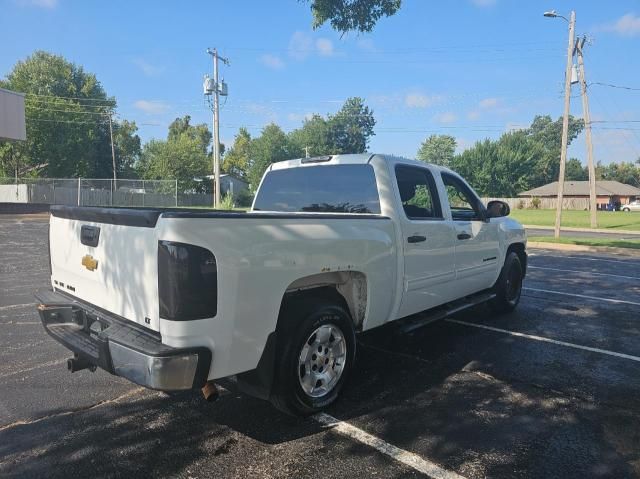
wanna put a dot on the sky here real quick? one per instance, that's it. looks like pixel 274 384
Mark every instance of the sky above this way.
pixel 470 68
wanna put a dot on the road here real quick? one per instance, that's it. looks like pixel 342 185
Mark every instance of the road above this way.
pixel 551 390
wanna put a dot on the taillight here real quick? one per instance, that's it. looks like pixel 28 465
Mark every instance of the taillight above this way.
pixel 187 281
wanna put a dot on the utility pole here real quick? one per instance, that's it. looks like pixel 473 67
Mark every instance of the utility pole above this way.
pixel 113 152
pixel 565 118
pixel 216 121
pixel 587 124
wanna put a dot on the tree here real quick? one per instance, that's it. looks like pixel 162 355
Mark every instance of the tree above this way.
pixel 548 134
pixel 271 146
pixel 127 147
pixel 574 171
pixel 437 149
pixel 236 161
pixel 182 156
pixel 624 172
pixel 351 127
pixel 352 15
pixel 501 168
pixel 67 118
pixel 314 137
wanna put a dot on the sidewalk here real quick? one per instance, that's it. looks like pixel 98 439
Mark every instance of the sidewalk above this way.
pixel 585 230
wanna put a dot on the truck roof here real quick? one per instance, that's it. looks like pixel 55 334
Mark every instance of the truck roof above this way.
pixel 351 159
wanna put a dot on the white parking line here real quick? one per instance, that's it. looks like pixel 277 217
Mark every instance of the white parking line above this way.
pixel 545 340
pixel 584 272
pixel 583 296
pixel 407 458
pixel 16 306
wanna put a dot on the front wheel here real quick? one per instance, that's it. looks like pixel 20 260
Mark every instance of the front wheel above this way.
pixel 316 353
pixel 626 209
pixel 508 288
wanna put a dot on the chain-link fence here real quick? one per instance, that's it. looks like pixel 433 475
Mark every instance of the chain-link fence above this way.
pixel 98 192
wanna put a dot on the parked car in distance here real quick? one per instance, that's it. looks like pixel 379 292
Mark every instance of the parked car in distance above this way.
pixel 176 299
pixel 633 206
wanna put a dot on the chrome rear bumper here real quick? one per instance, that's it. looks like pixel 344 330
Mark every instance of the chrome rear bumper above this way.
pixel 98 338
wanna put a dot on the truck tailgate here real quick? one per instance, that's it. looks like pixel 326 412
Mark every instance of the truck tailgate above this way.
pixel 108 258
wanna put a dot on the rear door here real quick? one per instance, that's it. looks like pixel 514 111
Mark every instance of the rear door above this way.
pixel 428 241
pixel 108 258
pixel 476 238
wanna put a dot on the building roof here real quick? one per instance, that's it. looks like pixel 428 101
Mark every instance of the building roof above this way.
pixel 581 188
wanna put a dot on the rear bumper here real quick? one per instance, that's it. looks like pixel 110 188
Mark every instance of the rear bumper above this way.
pixel 119 346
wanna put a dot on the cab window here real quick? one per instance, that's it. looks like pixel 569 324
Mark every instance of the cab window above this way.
pixel 418 193
pixel 464 204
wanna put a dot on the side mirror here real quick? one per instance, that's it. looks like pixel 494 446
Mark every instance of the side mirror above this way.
pixel 498 209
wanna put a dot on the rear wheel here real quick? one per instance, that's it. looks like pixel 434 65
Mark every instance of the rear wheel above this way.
pixel 315 354
pixel 508 288
pixel 626 209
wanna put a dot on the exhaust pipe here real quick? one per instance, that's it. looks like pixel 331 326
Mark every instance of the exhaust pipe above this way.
pixel 210 392
pixel 78 364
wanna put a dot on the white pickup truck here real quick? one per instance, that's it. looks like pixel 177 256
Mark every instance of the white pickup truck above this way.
pixel 175 299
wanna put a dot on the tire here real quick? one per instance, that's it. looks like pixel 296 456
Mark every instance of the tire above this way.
pixel 315 354
pixel 508 288
pixel 626 209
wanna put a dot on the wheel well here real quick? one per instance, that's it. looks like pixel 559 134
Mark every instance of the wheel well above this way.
pixel 519 249
pixel 346 287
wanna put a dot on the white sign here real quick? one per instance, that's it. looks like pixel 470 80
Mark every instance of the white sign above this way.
pixel 12 119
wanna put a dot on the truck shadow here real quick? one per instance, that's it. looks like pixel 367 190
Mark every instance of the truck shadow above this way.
pixel 419 392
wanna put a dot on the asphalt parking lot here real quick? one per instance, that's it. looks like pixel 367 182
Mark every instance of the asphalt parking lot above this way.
pixel 551 390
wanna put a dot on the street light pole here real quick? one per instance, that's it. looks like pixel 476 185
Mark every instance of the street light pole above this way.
pixel 565 118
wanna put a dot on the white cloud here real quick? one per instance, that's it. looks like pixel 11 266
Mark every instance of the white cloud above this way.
pixel 419 100
pixel 147 68
pixel 473 115
pixel 628 25
pixel 151 107
pixel 488 103
pixel 298 117
pixel 324 46
pixel 272 61
pixel 366 44
pixel 484 3
pixel 300 45
pixel 446 117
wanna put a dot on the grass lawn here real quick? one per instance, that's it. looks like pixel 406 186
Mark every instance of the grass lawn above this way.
pixel 580 219
pixel 633 244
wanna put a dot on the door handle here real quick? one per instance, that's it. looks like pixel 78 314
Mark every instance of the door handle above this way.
pixel 416 239
pixel 464 236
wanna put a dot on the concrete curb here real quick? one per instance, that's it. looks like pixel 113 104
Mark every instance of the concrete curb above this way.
pixel 584 230
pixel 584 248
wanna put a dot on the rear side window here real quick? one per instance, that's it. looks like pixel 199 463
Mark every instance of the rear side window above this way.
pixel 324 189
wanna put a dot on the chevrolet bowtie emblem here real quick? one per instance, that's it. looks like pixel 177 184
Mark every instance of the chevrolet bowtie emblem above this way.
pixel 89 263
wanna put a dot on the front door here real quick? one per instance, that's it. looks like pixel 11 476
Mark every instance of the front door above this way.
pixel 428 242
pixel 476 238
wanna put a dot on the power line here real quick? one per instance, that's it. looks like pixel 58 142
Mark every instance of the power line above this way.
pixel 610 85
pixel 113 102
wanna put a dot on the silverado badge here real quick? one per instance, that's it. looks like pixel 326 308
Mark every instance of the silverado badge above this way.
pixel 89 263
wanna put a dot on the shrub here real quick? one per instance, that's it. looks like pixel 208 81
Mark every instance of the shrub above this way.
pixel 227 202
pixel 520 205
pixel 535 203
pixel 244 199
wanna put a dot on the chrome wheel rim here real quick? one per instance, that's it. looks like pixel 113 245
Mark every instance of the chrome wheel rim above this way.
pixel 321 360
